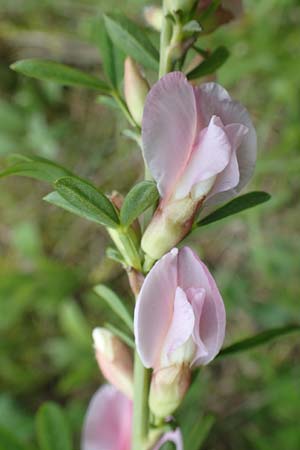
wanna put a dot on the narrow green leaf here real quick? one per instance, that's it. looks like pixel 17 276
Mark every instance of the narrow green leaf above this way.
pixel 58 73
pixel 235 206
pixel 199 432
pixel 139 198
pixel 52 429
pixel 113 254
pixel 115 303
pixel 86 201
pixel 74 324
pixel 36 167
pixel 8 441
pixel 213 62
pixel 133 41
pixel 257 340
pixel 123 336
pixel 112 58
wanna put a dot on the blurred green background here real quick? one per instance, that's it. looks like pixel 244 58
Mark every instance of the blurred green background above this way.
pixel 49 259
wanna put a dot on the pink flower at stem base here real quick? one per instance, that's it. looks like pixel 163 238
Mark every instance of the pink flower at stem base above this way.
pixel 200 147
pixel 108 423
pixel 179 323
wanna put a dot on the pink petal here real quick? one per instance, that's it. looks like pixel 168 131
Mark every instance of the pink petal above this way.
pixel 209 157
pixel 230 177
pixel 182 325
pixel 168 129
pixel 172 436
pixel 212 99
pixel 108 421
pixel 154 308
pixel 197 299
pixel 192 273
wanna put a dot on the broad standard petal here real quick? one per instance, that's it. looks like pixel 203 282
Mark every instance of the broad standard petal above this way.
pixel 108 421
pixel 168 129
pixel 154 308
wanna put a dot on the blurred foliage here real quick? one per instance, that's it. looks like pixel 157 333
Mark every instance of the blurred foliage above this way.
pixel 49 260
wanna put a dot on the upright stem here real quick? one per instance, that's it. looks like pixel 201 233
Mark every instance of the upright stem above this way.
pixel 141 408
pixel 165 62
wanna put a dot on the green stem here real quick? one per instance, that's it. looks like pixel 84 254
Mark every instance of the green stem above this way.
pixel 165 62
pixel 141 409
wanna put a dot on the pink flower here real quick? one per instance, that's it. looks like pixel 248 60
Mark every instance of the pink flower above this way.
pixel 108 423
pixel 179 314
pixel 200 147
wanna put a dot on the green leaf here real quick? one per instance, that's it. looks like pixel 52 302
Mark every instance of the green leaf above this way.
pixel 133 41
pixel 115 303
pixel 112 59
pixel 235 206
pixel 52 429
pixel 123 336
pixel 257 340
pixel 36 167
pixel 212 63
pixel 59 73
pixel 199 432
pixel 74 324
pixel 113 254
pixel 86 201
pixel 138 199
pixel 9 442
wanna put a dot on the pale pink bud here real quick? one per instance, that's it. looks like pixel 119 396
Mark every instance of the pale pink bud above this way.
pixel 135 89
pixel 200 147
pixel 179 315
pixel 154 17
pixel 108 423
pixel 168 388
pixel 114 359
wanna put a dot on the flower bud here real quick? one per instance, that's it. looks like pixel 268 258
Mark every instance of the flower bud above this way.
pixel 180 5
pixel 168 388
pixel 114 359
pixel 154 17
pixel 169 225
pixel 135 89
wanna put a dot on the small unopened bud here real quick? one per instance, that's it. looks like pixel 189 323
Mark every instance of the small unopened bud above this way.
pixel 168 226
pixel 154 17
pixel 168 388
pixel 114 359
pixel 136 89
pixel 180 5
